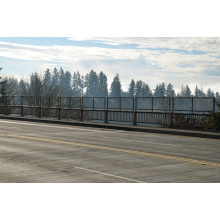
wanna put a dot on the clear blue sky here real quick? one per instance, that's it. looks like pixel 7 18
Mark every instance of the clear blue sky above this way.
pixel 180 61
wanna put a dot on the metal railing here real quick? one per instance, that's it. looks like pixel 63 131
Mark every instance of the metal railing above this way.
pixel 166 111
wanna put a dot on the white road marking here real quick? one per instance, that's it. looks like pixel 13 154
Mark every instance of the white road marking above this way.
pixel 98 131
pixel 51 126
pixel 145 142
pixel 107 174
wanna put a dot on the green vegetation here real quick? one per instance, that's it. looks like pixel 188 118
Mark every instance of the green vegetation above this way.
pixel 216 116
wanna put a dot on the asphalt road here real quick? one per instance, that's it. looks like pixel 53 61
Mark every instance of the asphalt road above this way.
pixel 34 152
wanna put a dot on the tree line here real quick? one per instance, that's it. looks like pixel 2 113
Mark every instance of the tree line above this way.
pixel 64 83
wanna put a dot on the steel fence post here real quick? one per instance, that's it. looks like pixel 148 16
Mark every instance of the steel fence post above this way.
pixel 81 108
pixel 213 104
pixel 6 107
pixel 39 104
pixel 59 107
pixel 106 110
pixel 152 104
pixel 134 112
pixel 22 108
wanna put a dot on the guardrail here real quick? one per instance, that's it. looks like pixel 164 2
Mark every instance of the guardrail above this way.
pixel 166 111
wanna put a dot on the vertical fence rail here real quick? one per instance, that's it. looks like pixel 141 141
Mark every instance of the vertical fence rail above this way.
pixel 81 109
pixel 22 108
pixel 59 107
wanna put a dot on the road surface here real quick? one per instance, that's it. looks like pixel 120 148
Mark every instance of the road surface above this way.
pixel 33 152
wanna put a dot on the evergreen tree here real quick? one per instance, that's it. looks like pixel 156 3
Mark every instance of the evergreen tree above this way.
pixel 103 85
pixel 131 89
pixel 217 96
pixel 210 93
pixel 4 86
pixel 55 77
pixel 78 84
pixel 35 88
pixel 116 89
pixel 160 90
pixel 146 91
pixel 170 91
pixel 196 92
pixel 185 92
pixel 139 87
pixel 199 93
pixel 92 84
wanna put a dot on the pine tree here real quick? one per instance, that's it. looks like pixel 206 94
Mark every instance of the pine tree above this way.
pixel 139 86
pixel 185 92
pixel 4 86
pixel 146 91
pixel 160 90
pixel 77 85
pixel 170 91
pixel 92 84
pixel 131 89
pixel 196 92
pixel 199 93
pixel 55 77
pixel 116 90
pixel 210 93
pixel 103 85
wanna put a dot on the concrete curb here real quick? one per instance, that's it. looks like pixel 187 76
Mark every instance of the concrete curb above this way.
pixel 171 131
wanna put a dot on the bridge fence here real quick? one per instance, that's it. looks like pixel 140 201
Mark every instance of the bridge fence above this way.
pixel 165 111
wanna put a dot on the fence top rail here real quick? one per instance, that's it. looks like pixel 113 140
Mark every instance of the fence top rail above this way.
pixel 111 97
pixel 93 97
pixel 193 97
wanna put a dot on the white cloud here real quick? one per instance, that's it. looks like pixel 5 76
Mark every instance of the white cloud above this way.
pixel 177 43
pixel 152 66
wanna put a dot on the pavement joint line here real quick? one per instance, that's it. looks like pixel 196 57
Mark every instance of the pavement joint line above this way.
pixel 114 149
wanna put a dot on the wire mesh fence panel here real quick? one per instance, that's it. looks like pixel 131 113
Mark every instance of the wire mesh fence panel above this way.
pixel 14 110
pixel 127 103
pixel 54 102
pixel 70 102
pixel 70 114
pixel 31 100
pixel 114 103
pixel 144 104
pixel 93 115
pixel 12 100
pixel 88 102
pixel 45 101
pixel 182 104
pixel 5 100
pixel 202 104
pixel 31 111
pixel 49 112
pixel 161 104
pixel 99 103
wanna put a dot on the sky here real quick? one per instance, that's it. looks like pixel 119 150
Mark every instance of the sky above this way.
pixel 181 61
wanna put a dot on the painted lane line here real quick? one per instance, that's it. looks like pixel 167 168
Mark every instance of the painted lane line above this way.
pixel 89 170
pixel 107 174
pixel 119 139
pixel 51 126
pixel 114 149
